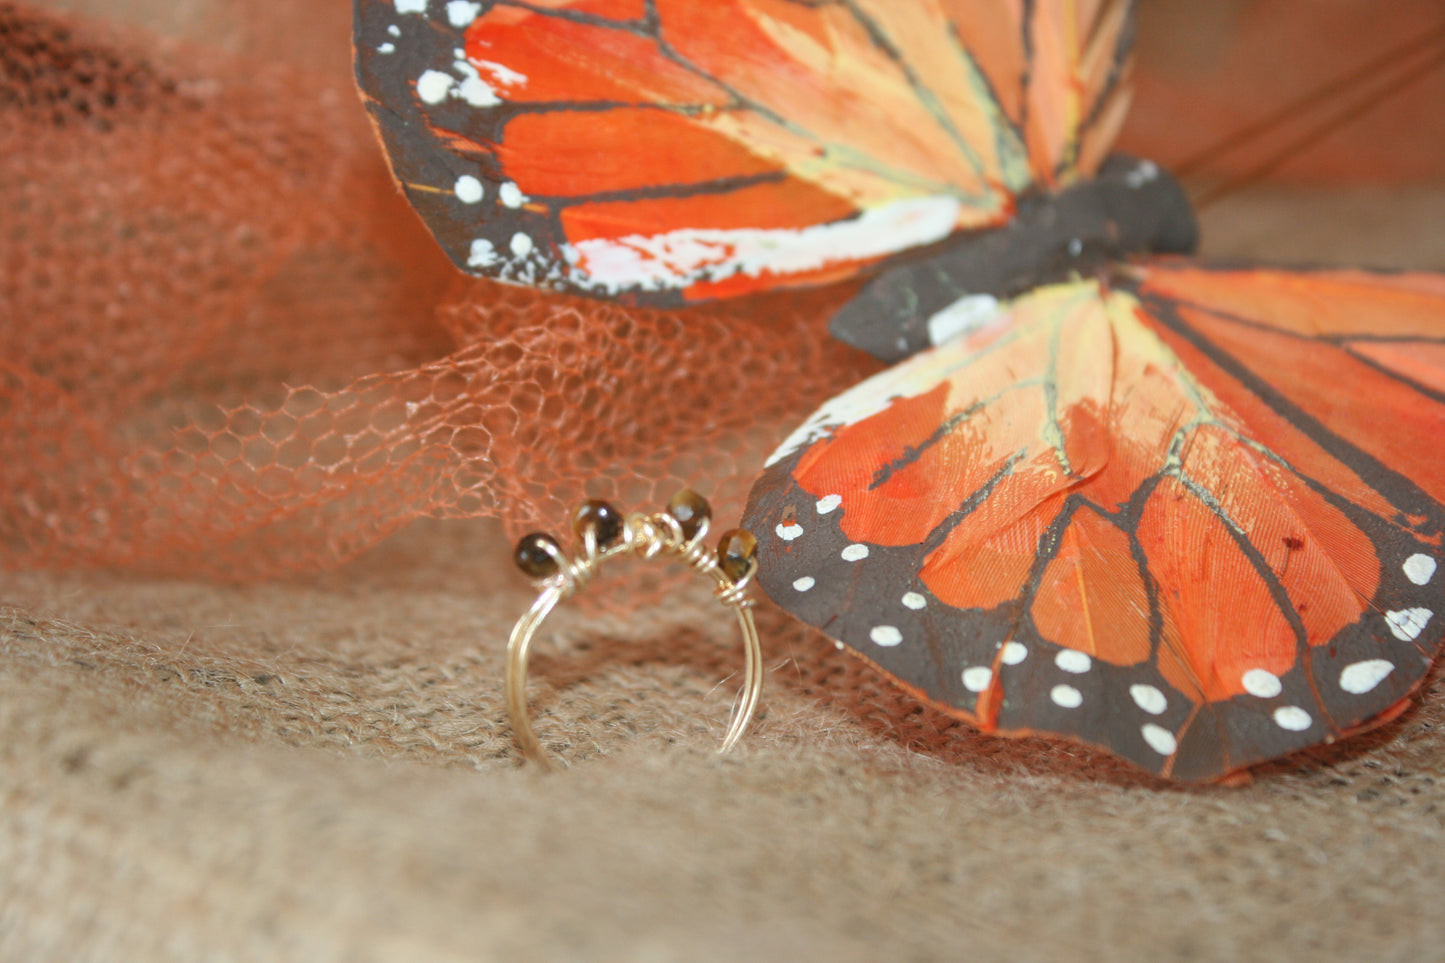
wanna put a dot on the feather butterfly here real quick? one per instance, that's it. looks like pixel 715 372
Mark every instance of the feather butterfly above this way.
pixel 1191 515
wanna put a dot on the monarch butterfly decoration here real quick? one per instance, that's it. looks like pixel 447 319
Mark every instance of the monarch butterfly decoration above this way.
pixel 1188 514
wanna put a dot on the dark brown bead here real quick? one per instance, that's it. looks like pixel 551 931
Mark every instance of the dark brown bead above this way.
pixel 737 552
pixel 691 510
pixel 533 558
pixel 600 518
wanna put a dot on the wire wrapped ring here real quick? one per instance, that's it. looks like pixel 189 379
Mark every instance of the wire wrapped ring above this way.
pixel 602 533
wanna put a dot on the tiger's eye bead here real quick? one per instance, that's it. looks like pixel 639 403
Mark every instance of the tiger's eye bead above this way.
pixel 600 518
pixel 533 558
pixel 691 510
pixel 736 553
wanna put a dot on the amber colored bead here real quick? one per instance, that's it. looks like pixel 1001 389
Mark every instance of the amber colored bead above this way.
pixel 735 553
pixel 533 558
pixel 600 518
pixel 691 510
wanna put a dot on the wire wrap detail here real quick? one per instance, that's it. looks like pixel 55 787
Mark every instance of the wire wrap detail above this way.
pixel 731 568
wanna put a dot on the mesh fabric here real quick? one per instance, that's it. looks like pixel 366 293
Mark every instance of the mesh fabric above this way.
pixel 229 347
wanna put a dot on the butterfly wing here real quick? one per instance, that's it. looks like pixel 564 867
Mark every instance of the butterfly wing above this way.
pixel 671 150
pixel 1146 515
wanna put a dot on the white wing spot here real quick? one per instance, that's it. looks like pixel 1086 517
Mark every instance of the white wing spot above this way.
pixel 829 502
pixel 1161 740
pixel 1066 696
pixel 789 531
pixel 1013 653
pixel 521 244
pixel 838 645
pixel 1419 568
pixel 1151 700
pixel 461 13
pixel 914 601
pixel 804 583
pixel 469 190
pixel 967 314
pixel 977 678
pixel 387 48
pixel 1072 660
pixel 410 6
pixel 1261 683
pixel 1362 677
pixel 511 195
pixel 885 635
pixel 675 259
pixel 1407 624
pixel 855 552
pixel 434 86
pixel 501 74
pixel 483 254
pixel 1292 718
pixel 394 30
pixel 1145 172
pixel 474 90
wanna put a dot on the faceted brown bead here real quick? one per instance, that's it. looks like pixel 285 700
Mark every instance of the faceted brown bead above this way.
pixel 600 518
pixel 532 557
pixel 736 552
pixel 691 510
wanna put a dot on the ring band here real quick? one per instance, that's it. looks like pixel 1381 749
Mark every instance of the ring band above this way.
pixel 602 533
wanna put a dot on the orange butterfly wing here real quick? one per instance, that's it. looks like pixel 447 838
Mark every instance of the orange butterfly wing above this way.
pixel 667 150
pixel 1142 515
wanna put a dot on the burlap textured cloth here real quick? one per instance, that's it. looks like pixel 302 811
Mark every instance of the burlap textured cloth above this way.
pixel 320 769
pixel 323 771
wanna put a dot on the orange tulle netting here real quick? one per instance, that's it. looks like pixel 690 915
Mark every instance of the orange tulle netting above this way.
pixel 229 347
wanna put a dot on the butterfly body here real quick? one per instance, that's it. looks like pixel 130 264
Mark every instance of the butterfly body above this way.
pixel 1130 207
pixel 1194 516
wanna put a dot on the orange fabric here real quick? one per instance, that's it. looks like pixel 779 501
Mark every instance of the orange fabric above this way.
pixel 1092 594
pixel 577 62
pixel 986 560
pixel 1236 544
pixel 905 513
pixel 1002 415
pixel 1191 551
pixel 1310 374
pixel 552 154
pixel 1008 400
pixel 787 204
pixel 1422 363
pixel 1274 432
pixel 229 347
pixel 820 70
pixel 1314 304
pixel 613 9
pixel 1326 564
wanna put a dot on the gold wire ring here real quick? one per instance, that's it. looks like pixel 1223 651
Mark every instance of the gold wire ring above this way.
pixel 602 533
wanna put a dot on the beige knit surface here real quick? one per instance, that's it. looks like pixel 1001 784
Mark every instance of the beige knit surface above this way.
pixel 321 769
